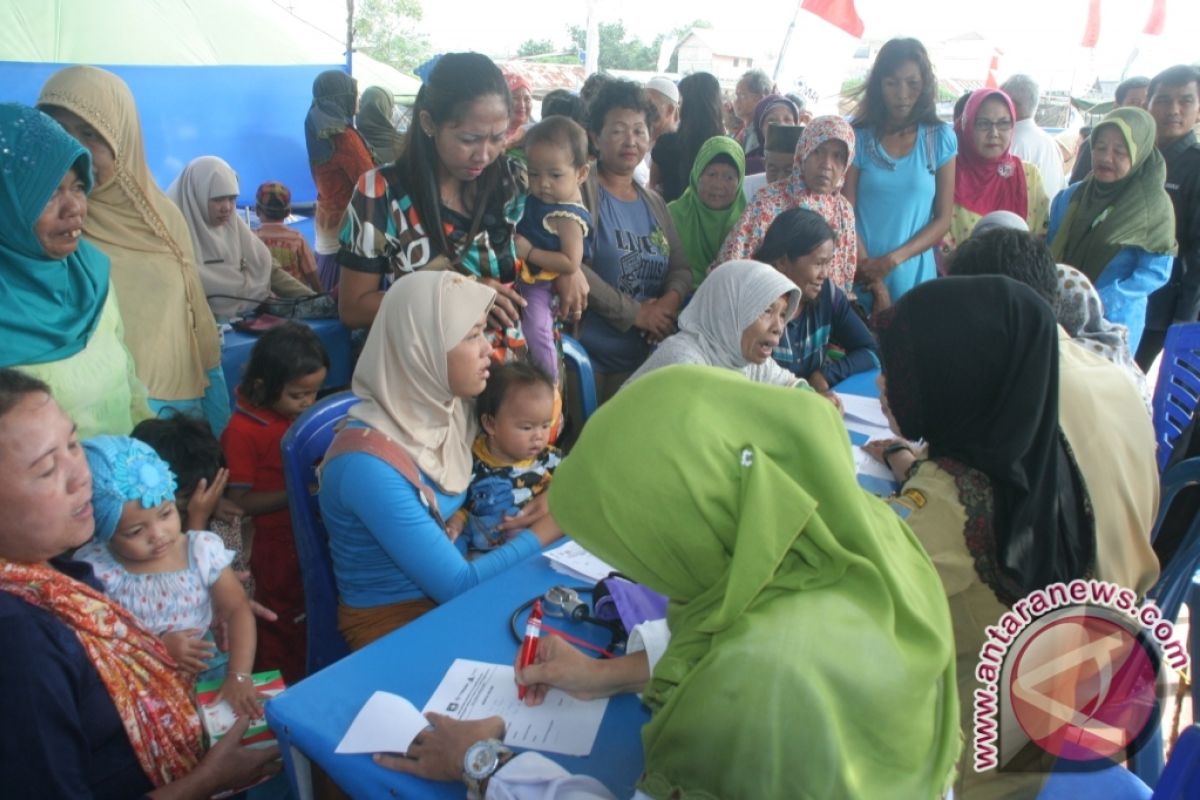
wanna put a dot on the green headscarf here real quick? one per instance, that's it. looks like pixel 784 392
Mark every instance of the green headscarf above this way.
pixel 375 125
pixel 811 651
pixel 1134 211
pixel 702 229
pixel 50 306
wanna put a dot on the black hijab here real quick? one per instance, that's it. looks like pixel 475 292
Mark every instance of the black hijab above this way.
pixel 972 368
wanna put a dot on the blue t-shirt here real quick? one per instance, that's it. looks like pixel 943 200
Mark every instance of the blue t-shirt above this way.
pixel 385 544
pixel 895 200
pixel 827 320
pixel 631 255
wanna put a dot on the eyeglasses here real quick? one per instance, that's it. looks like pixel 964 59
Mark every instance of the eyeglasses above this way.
pixel 998 125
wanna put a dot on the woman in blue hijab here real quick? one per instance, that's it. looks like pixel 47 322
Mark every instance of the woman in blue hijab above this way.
pixel 61 322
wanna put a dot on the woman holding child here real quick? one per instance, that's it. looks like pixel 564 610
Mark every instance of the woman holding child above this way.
pixel 450 201
pixel 94 706
pixel 409 441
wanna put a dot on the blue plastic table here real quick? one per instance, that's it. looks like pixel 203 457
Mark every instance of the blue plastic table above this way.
pixel 311 717
pixel 235 352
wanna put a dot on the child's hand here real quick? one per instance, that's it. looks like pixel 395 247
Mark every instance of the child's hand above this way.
pixel 203 503
pixel 454 526
pixel 524 247
pixel 238 690
pixel 189 650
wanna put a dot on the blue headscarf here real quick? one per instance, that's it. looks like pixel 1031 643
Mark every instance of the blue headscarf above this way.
pixel 335 94
pixel 50 307
pixel 124 469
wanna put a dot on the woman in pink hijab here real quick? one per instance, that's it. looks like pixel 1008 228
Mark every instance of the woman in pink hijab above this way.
pixel 522 109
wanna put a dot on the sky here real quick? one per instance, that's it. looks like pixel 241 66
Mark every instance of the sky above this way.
pixel 1040 37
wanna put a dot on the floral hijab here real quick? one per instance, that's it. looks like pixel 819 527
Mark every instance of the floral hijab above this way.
pixel 775 198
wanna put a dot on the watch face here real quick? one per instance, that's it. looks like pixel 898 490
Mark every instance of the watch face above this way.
pixel 480 760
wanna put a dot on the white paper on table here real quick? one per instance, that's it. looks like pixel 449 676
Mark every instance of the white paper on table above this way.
pixel 867 429
pixel 561 724
pixel 571 559
pixel 864 409
pixel 387 723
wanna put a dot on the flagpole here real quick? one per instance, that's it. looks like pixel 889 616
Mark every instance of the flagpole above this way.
pixel 787 39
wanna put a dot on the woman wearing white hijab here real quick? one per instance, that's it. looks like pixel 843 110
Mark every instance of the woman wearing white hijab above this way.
pixel 734 320
pixel 403 462
pixel 235 266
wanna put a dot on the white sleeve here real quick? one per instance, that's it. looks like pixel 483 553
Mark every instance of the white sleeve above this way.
pixel 532 776
pixel 653 636
pixel 771 373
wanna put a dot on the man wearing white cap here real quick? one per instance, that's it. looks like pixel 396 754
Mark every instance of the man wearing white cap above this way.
pixel 664 94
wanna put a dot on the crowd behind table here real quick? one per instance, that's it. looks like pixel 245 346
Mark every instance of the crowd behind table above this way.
pixel 1012 313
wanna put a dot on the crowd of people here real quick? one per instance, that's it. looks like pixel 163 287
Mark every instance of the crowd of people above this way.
pixel 723 279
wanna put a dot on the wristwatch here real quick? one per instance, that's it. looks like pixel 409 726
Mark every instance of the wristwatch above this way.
pixel 481 761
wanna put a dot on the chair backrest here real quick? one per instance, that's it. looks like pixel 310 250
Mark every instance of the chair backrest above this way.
pixel 577 358
pixel 1175 579
pixel 303 447
pixel 1178 389
pixel 1181 779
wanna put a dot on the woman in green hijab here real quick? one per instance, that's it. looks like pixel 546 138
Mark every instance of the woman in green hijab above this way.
pixel 1117 226
pixel 712 203
pixel 375 124
pixel 811 652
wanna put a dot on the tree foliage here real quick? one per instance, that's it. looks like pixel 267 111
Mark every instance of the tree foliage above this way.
pixel 385 30
pixel 620 50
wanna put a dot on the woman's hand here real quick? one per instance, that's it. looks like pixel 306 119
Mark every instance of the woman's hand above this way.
pixel 900 460
pixel 558 665
pixel 190 651
pixel 656 319
pixel 871 270
pixel 506 312
pixel 229 765
pixel 454 526
pixel 241 695
pixel 831 396
pixel 818 381
pixel 524 246
pixel 572 295
pixel 204 500
pixel 533 511
pixel 437 752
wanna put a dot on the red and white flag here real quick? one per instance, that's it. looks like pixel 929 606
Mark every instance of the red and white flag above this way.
pixel 992 81
pixel 1091 34
pixel 1158 18
pixel 840 13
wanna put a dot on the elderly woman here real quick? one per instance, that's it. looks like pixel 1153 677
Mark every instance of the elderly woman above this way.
pixel 409 443
pixel 1117 226
pixel 780 571
pixel 61 322
pixel 988 177
pixel 1007 499
pixel 774 109
pixel 169 328
pixel 236 268
pixel 712 204
pixel 376 126
pixel 639 273
pixel 93 704
pixel 734 321
pixel 825 150
pixel 521 92
pixel 337 156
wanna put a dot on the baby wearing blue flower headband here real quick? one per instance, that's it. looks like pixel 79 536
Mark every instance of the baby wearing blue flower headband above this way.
pixel 175 583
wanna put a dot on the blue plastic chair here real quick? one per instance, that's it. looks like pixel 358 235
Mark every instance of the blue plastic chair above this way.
pixel 1178 389
pixel 1176 584
pixel 304 445
pixel 577 359
pixel 1181 779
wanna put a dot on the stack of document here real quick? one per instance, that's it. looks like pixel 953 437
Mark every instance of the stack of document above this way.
pixel 573 561
pixel 865 415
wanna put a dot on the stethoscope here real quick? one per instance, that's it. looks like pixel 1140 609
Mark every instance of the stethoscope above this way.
pixel 564 602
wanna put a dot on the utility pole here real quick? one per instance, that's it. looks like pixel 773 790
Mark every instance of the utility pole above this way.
pixel 350 36
pixel 787 38
pixel 591 46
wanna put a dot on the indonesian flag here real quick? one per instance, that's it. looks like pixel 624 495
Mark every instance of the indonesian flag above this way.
pixel 993 68
pixel 837 12
pixel 1158 18
pixel 1091 34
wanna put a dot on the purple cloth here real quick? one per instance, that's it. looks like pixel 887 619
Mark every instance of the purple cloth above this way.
pixel 635 603
pixel 537 321
pixel 328 270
